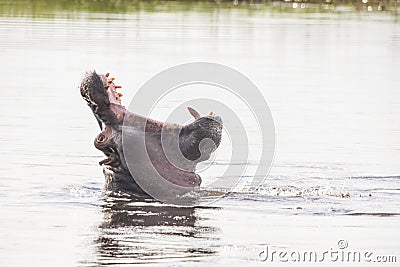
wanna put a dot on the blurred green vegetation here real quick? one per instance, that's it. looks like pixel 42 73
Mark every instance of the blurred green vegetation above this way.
pixel 53 8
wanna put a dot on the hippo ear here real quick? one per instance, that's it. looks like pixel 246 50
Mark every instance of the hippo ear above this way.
pixel 194 113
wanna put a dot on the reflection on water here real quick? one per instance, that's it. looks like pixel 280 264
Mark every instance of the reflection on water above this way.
pixel 150 232
pixel 122 213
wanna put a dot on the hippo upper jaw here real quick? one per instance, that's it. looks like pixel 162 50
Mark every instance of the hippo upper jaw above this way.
pixel 99 91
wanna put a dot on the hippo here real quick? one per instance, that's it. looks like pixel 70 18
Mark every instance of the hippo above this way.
pixel 127 167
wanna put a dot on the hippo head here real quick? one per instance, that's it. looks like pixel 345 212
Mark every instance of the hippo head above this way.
pixel 126 166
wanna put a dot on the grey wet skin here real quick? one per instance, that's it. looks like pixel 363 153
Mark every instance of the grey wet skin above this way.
pixel 195 141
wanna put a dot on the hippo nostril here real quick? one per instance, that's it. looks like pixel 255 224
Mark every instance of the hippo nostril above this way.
pixel 101 138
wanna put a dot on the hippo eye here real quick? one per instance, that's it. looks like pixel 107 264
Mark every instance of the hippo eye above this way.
pixel 101 138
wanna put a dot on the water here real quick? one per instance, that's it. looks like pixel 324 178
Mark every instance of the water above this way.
pixel 330 78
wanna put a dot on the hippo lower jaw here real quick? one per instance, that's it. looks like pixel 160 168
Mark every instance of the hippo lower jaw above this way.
pixel 100 93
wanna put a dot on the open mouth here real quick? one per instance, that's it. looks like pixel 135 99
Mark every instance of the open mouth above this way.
pixel 101 95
